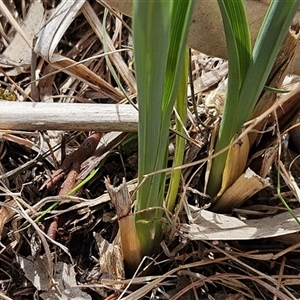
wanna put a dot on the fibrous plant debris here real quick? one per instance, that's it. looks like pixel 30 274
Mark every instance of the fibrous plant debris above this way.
pixel 201 257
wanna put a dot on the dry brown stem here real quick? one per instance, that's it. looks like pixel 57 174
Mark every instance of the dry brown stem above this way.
pixel 130 243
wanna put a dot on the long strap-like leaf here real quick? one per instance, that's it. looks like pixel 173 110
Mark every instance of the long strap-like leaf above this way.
pixel 160 31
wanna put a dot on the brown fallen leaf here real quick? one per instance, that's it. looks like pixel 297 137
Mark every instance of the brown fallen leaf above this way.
pixel 6 214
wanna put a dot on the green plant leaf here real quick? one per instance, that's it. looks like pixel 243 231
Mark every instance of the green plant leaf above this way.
pixel 159 32
pixel 239 54
pixel 180 141
pixel 238 110
pixel 272 33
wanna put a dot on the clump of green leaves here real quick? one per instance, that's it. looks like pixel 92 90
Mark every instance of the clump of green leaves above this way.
pixel 160 31
pixel 248 70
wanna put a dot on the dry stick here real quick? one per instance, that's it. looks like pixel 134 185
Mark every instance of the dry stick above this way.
pixel 279 282
pixel 72 164
pixel 68 116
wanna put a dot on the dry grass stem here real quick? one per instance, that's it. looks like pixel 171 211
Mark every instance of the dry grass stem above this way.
pixel 130 244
